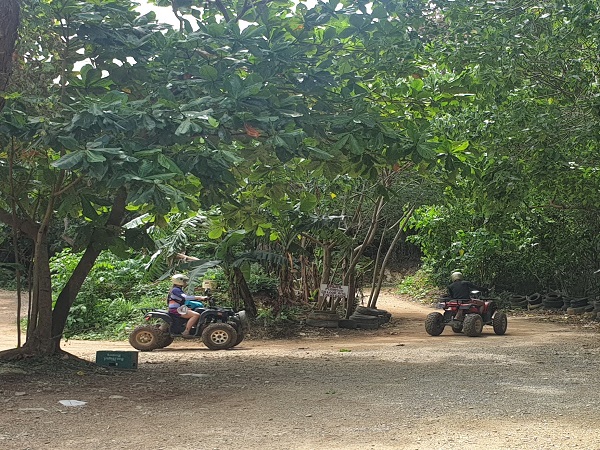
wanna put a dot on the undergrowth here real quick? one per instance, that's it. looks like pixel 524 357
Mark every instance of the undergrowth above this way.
pixel 420 286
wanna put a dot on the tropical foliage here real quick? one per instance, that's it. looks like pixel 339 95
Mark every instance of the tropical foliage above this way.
pixel 529 214
pixel 301 139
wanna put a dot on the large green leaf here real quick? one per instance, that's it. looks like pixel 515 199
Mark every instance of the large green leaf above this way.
pixel 70 160
pixel 169 164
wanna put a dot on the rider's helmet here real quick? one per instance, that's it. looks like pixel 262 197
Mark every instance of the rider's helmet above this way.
pixel 179 279
pixel 456 276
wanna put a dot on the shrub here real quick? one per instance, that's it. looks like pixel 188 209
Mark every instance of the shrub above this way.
pixel 420 285
pixel 109 302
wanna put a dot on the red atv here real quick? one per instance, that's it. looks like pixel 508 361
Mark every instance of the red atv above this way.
pixel 466 316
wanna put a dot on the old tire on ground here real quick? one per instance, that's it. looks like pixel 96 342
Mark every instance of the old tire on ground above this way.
pixel 365 322
pixel 219 336
pixel 370 311
pixel 434 324
pixel 347 323
pixel 457 327
pixel 499 322
pixel 383 316
pixel 323 315
pixel 321 323
pixel 473 325
pixel 535 299
pixel 145 338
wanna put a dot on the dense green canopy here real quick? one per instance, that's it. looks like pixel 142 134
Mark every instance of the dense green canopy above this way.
pixel 292 122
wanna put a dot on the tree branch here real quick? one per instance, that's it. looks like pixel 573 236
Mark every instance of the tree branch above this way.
pixel 26 226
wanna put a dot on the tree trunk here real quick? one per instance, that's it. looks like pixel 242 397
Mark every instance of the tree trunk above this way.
pixel 326 274
pixel 69 292
pixel 9 24
pixel 376 288
pixel 86 263
pixel 287 294
pixel 245 293
pixel 39 329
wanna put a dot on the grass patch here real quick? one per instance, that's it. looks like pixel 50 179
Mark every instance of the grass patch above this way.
pixel 420 286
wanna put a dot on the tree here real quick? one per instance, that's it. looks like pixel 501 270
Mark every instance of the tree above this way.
pixel 9 24
pixel 147 120
pixel 531 68
pixel 62 162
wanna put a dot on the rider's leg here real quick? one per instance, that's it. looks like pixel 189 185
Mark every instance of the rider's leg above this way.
pixel 193 318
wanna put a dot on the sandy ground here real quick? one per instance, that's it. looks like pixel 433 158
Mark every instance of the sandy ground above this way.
pixel 392 388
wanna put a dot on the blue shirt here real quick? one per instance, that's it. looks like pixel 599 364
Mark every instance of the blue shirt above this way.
pixel 177 297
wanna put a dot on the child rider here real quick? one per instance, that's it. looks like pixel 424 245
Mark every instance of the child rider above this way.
pixel 178 298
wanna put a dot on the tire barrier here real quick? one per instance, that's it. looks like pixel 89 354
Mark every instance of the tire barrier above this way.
pixel 362 318
pixel 535 299
pixel 518 301
pixel 323 319
pixel 555 301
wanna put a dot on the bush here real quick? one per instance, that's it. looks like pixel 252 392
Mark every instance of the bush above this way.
pixel 420 286
pixel 263 283
pixel 109 302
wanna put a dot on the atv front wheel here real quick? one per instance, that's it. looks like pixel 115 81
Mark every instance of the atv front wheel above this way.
pixel 145 338
pixel 219 336
pixel 500 322
pixel 240 337
pixel 473 325
pixel 164 337
pixel 165 340
pixel 434 324
pixel 457 327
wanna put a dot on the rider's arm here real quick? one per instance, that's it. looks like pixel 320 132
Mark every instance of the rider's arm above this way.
pixel 187 297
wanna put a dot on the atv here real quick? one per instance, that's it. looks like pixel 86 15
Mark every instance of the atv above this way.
pixel 219 328
pixel 466 316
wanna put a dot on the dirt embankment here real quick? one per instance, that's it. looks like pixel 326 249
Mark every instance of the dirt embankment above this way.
pixel 392 388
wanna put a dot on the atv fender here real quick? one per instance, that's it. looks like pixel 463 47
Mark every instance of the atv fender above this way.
pixel 214 315
pixel 489 313
pixel 158 314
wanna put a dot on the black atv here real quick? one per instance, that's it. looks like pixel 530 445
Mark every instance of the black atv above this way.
pixel 219 328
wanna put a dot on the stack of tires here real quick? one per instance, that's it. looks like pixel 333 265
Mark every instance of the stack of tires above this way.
pixel 363 318
pixel 534 301
pixel 596 310
pixel 579 306
pixel 367 318
pixel 323 319
pixel 553 301
pixel 518 302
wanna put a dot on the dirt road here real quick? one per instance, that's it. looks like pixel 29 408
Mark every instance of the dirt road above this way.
pixel 393 388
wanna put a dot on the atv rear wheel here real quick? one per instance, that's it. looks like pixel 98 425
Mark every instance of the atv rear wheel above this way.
pixel 500 322
pixel 145 338
pixel 219 336
pixel 434 324
pixel 473 325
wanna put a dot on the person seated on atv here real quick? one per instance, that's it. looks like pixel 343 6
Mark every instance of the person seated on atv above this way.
pixel 461 289
pixel 177 298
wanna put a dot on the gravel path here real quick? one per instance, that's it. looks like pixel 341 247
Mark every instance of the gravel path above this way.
pixel 393 388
